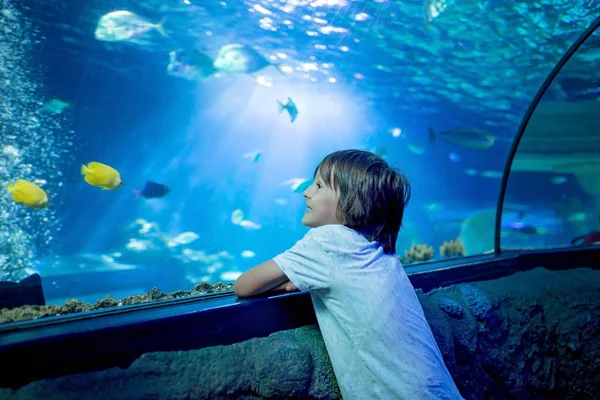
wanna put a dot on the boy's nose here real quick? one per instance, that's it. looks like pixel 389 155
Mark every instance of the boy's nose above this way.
pixel 304 194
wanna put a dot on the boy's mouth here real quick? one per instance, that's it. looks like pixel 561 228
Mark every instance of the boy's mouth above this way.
pixel 308 209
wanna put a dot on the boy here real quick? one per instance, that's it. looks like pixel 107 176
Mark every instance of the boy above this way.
pixel 379 343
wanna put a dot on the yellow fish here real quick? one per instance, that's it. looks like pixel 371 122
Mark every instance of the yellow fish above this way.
pixel 28 193
pixel 103 176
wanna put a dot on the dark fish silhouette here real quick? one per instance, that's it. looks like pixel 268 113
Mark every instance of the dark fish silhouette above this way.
pixel 152 190
pixel 190 64
pixel 27 292
pixel 290 107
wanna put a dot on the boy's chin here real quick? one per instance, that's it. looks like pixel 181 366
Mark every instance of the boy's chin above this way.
pixel 308 223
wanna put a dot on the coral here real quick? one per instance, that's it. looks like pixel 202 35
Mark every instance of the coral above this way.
pixel 75 306
pixel 417 253
pixel 477 232
pixel 452 249
pixel 451 307
pixel 479 304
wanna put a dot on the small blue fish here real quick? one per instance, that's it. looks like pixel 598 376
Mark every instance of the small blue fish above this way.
pixel 454 157
pixel 290 107
pixel 152 190
pixel 253 155
pixel 298 185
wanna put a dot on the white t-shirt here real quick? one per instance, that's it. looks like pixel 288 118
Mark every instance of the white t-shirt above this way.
pixel 377 337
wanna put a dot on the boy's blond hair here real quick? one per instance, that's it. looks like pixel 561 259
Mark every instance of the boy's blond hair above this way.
pixel 373 195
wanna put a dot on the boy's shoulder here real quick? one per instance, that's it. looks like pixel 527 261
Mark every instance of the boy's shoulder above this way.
pixel 330 232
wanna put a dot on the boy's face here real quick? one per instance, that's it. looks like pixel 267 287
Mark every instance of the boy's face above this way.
pixel 321 204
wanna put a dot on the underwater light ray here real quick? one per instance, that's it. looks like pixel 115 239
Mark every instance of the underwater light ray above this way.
pixel 245 117
pixel 327 121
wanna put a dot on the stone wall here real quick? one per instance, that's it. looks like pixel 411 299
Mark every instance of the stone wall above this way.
pixel 533 335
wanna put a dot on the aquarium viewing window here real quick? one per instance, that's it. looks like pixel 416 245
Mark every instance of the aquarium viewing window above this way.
pixel 553 169
pixel 161 162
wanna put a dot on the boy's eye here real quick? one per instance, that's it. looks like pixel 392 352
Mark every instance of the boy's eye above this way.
pixel 318 185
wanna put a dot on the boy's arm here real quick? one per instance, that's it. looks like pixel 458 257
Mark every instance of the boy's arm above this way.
pixel 306 266
pixel 259 279
pixel 286 286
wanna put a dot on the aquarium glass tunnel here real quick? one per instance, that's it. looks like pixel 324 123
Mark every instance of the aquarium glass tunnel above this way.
pixel 152 152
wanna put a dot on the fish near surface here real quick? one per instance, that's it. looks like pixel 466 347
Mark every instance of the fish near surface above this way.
pixel 472 138
pixel 124 26
pixel 240 59
pixel 28 193
pixel 190 64
pixel 102 176
pixel 432 9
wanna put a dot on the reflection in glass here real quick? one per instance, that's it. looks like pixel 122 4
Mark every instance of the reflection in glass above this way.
pixel 553 192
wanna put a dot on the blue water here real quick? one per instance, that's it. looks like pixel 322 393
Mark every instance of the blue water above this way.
pixel 473 67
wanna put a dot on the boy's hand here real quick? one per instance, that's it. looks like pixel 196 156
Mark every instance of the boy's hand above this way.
pixel 286 286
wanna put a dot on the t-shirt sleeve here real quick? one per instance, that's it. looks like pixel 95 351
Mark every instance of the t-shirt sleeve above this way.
pixel 308 263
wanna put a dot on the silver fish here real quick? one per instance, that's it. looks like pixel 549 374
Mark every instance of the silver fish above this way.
pixel 240 59
pixel 472 138
pixel 124 26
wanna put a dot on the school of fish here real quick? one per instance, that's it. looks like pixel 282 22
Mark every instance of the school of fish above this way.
pixel 189 64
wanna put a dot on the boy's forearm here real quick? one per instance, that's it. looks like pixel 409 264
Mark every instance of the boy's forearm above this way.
pixel 278 288
pixel 260 279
